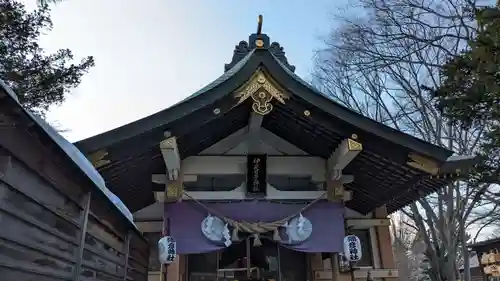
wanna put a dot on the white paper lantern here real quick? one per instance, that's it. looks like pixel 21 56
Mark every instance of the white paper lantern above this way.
pixel 167 250
pixel 352 248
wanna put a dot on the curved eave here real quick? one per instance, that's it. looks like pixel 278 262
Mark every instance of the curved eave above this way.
pixel 238 75
pixel 202 98
pixel 313 96
pixel 484 244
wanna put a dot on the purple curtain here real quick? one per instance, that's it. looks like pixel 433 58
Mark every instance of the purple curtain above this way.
pixel 327 219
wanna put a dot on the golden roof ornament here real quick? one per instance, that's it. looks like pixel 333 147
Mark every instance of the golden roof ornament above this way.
pixel 261 90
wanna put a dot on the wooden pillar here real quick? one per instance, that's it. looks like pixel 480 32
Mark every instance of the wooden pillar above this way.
pixel 84 218
pixel 384 241
pixel 169 272
pixel 173 193
pixel 315 265
pixel 182 267
pixel 334 263
pixel 127 255
pixel 319 269
pixel 173 270
pixel 164 232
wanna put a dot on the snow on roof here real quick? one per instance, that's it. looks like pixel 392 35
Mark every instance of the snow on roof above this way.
pixel 460 157
pixel 74 154
pixel 9 91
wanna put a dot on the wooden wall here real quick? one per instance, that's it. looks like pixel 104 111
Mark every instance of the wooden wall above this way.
pixel 54 225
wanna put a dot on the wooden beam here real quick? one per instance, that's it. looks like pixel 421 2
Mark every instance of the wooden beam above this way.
pixel 240 194
pixel 362 273
pixel 335 188
pixel 255 122
pixel 154 212
pixel 84 219
pixel 457 166
pixel 163 178
pixel 253 140
pixel 280 144
pixel 159 178
pixel 149 226
pixel 276 165
pixel 228 143
pixel 241 136
pixel 422 163
pixel 347 196
pixel 367 223
pixel 174 182
pixel 342 156
pixel 160 196
pixel 127 255
pixel 171 156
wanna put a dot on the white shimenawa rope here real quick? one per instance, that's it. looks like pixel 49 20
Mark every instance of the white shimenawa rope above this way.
pixel 255 228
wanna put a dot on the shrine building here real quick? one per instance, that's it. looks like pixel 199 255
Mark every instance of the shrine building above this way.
pixel 258 175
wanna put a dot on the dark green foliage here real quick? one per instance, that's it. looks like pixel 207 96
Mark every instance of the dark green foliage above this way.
pixel 39 79
pixel 471 83
pixel 470 91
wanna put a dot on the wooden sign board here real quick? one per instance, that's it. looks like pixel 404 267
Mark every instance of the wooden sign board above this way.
pixel 256 175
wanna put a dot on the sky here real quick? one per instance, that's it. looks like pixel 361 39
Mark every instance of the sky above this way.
pixel 151 54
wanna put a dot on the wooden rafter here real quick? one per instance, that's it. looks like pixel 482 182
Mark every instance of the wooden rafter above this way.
pixel 340 158
pixel 172 159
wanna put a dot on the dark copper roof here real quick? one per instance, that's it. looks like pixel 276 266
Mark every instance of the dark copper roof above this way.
pixel 381 174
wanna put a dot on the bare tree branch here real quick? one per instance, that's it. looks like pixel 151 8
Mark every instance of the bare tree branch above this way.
pixel 378 65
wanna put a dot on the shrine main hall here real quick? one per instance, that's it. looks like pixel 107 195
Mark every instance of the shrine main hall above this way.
pixel 258 175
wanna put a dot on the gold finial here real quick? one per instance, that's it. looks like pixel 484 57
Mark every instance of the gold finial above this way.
pixel 259 25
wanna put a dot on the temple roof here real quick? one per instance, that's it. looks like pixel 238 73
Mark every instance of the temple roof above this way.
pixel 492 243
pixel 212 95
pixel 245 47
pixel 382 175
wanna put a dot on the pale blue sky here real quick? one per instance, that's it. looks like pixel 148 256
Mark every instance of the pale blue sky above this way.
pixel 151 54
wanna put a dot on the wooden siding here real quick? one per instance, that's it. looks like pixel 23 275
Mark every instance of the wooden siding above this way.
pixel 154 263
pixel 52 228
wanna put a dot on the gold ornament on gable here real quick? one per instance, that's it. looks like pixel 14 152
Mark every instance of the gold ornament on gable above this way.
pixel 97 158
pixel 353 145
pixel 261 91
